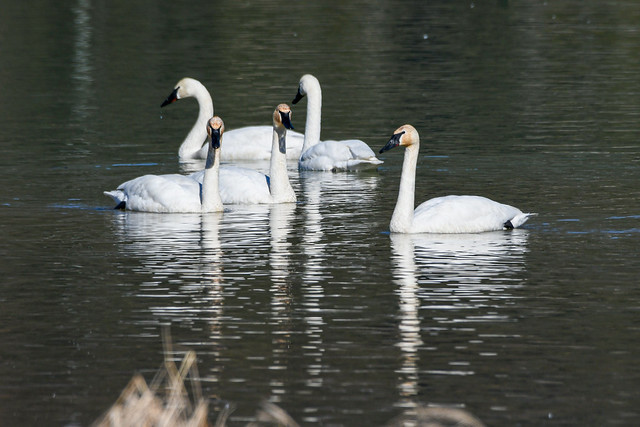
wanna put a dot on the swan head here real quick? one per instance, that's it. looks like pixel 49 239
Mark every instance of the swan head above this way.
pixel 183 89
pixel 307 83
pixel 281 122
pixel 282 117
pixel 215 129
pixel 405 136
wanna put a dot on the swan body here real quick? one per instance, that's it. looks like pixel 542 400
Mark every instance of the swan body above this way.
pixel 247 186
pixel 347 155
pixel 173 192
pixel 247 143
pixel 449 214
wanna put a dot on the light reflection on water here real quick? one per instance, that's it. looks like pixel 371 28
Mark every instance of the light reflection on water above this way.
pixel 461 278
pixel 199 267
pixel 312 280
pixel 82 61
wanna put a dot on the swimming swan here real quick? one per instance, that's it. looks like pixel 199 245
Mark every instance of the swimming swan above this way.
pixel 247 186
pixel 174 192
pixel 449 214
pixel 248 143
pixel 346 155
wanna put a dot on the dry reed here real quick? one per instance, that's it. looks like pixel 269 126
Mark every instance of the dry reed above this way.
pixel 166 402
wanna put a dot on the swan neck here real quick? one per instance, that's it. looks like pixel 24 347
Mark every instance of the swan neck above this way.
pixel 210 190
pixel 402 218
pixel 198 133
pixel 279 184
pixel 314 113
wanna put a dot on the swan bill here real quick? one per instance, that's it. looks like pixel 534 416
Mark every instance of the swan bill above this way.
pixel 215 138
pixel 393 142
pixel 171 98
pixel 286 119
pixel 215 129
pixel 298 97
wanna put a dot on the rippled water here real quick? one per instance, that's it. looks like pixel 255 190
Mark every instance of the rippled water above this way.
pixel 314 305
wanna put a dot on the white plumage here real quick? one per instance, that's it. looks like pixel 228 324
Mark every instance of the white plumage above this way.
pixel 449 214
pixel 246 143
pixel 347 155
pixel 173 192
pixel 232 185
pixel 159 193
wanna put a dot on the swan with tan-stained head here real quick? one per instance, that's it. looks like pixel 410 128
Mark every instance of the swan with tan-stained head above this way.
pixel 448 214
pixel 173 192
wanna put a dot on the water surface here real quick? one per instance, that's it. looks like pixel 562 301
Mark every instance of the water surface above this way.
pixel 315 306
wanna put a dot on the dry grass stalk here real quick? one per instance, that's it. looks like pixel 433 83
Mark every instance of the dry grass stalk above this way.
pixel 272 415
pixel 166 402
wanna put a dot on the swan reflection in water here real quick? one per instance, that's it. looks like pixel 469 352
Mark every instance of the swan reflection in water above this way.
pixel 172 246
pixel 192 272
pixel 314 272
pixel 280 218
pixel 183 256
pixel 458 275
pixel 324 194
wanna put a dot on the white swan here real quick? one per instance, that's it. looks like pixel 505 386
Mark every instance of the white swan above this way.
pixel 247 143
pixel 346 155
pixel 449 214
pixel 248 186
pixel 173 192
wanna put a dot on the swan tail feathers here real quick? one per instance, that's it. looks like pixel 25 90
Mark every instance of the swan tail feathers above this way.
pixel 360 164
pixel 517 220
pixel 118 197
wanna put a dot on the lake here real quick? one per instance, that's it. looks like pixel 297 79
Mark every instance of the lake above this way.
pixel 315 306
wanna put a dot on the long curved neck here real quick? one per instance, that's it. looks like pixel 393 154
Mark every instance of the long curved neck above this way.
pixel 210 192
pixel 314 113
pixel 198 133
pixel 402 218
pixel 279 185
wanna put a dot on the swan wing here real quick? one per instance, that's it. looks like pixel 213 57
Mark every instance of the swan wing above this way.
pixel 359 149
pixel 254 143
pixel 240 186
pixel 464 214
pixel 351 154
pixel 243 186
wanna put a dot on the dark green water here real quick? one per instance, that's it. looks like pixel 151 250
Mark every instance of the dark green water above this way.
pixel 315 306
